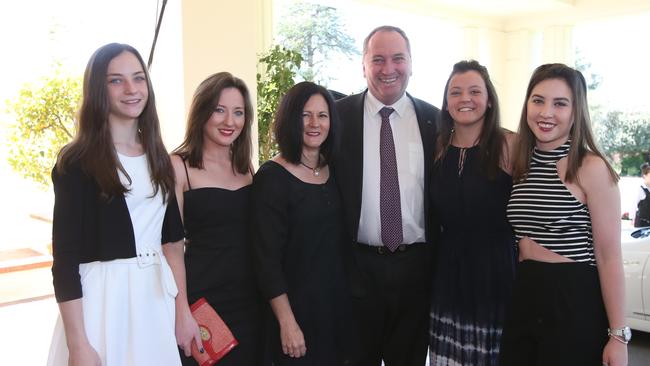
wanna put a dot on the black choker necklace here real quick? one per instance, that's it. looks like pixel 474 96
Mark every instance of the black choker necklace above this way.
pixel 315 170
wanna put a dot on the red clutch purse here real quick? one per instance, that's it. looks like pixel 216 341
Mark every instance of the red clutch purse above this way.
pixel 216 337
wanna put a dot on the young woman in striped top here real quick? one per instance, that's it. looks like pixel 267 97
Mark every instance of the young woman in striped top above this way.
pixel 564 208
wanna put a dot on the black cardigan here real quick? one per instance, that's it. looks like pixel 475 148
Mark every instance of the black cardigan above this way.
pixel 88 228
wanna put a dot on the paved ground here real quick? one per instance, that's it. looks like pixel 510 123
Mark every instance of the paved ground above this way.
pixel 27 329
pixel 27 308
pixel 26 332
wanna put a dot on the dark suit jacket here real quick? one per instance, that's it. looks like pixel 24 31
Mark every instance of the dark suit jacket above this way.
pixel 348 167
pixel 88 228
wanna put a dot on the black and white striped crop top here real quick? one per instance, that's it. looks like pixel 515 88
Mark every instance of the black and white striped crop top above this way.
pixel 542 208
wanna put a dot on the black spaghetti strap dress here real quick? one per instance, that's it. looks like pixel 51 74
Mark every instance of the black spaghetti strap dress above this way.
pixel 218 265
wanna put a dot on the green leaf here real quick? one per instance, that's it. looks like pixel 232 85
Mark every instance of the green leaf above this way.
pixel 43 123
pixel 280 65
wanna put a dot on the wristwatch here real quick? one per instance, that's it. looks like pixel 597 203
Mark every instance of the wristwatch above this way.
pixel 623 334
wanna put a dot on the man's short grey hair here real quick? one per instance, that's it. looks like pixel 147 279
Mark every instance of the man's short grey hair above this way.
pixel 386 28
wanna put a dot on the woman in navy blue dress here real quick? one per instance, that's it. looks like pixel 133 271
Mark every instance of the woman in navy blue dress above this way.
pixel 470 187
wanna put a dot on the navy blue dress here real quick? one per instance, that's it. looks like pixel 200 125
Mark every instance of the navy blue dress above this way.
pixel 475 260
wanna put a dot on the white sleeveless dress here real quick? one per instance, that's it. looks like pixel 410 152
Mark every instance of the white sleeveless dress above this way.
pixel 128 304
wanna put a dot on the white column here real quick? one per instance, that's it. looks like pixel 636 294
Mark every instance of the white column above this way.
pixel 558 45
pixel 491 48
pixel 202 37
pixel 525 50
pixel 521 51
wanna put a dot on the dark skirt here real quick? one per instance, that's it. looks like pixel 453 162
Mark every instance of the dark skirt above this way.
pixel 557 316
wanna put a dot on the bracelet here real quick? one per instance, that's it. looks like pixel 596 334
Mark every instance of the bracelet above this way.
pixel 618 339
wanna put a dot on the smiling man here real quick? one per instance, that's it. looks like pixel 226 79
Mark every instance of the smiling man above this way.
pixel 388 140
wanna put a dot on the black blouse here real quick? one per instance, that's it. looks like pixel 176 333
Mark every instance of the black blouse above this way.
pixel 297 233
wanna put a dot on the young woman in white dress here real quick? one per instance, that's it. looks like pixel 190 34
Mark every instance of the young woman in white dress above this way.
pixel 114 207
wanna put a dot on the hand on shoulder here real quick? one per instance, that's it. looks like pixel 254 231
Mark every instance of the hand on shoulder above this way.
pixel 508 153
pixel 511 138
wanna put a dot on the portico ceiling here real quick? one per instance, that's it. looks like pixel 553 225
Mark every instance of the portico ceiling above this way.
pixel 493 7
pixel 513 14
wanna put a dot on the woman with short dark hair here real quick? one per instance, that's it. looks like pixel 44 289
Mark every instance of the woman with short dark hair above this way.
pixel 297 235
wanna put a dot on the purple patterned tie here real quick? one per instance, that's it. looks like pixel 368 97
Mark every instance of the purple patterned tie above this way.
pixel 389 196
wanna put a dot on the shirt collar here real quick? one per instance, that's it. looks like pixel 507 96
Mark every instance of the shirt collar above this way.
pixel 375 105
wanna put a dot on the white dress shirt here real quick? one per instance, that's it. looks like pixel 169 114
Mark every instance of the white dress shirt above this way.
pixel 410 170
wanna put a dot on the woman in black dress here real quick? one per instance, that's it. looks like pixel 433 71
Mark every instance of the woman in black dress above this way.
pixel 297 235
pixel 470 187
pixel 213 177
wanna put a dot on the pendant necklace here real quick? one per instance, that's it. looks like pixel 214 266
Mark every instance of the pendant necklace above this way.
pixel 315 170
pixel 462 153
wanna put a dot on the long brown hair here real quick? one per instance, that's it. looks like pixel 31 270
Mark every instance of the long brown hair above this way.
pixel 491 139
pixel 206 98
pixel 582 138
pixel 93 145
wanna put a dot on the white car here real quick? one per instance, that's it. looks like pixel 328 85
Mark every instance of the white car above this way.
pixel 636 262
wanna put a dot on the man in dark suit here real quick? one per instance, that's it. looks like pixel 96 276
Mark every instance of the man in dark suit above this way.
pixel 390 265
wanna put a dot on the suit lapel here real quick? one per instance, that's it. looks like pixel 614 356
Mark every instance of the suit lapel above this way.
pixel 426 126
pixel 356 153
pixel 427 134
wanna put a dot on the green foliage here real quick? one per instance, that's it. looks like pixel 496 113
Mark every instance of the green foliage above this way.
pixel 280 66
pixel 317 33
pixel 44 122
pixel 630 164
pixel 624 138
